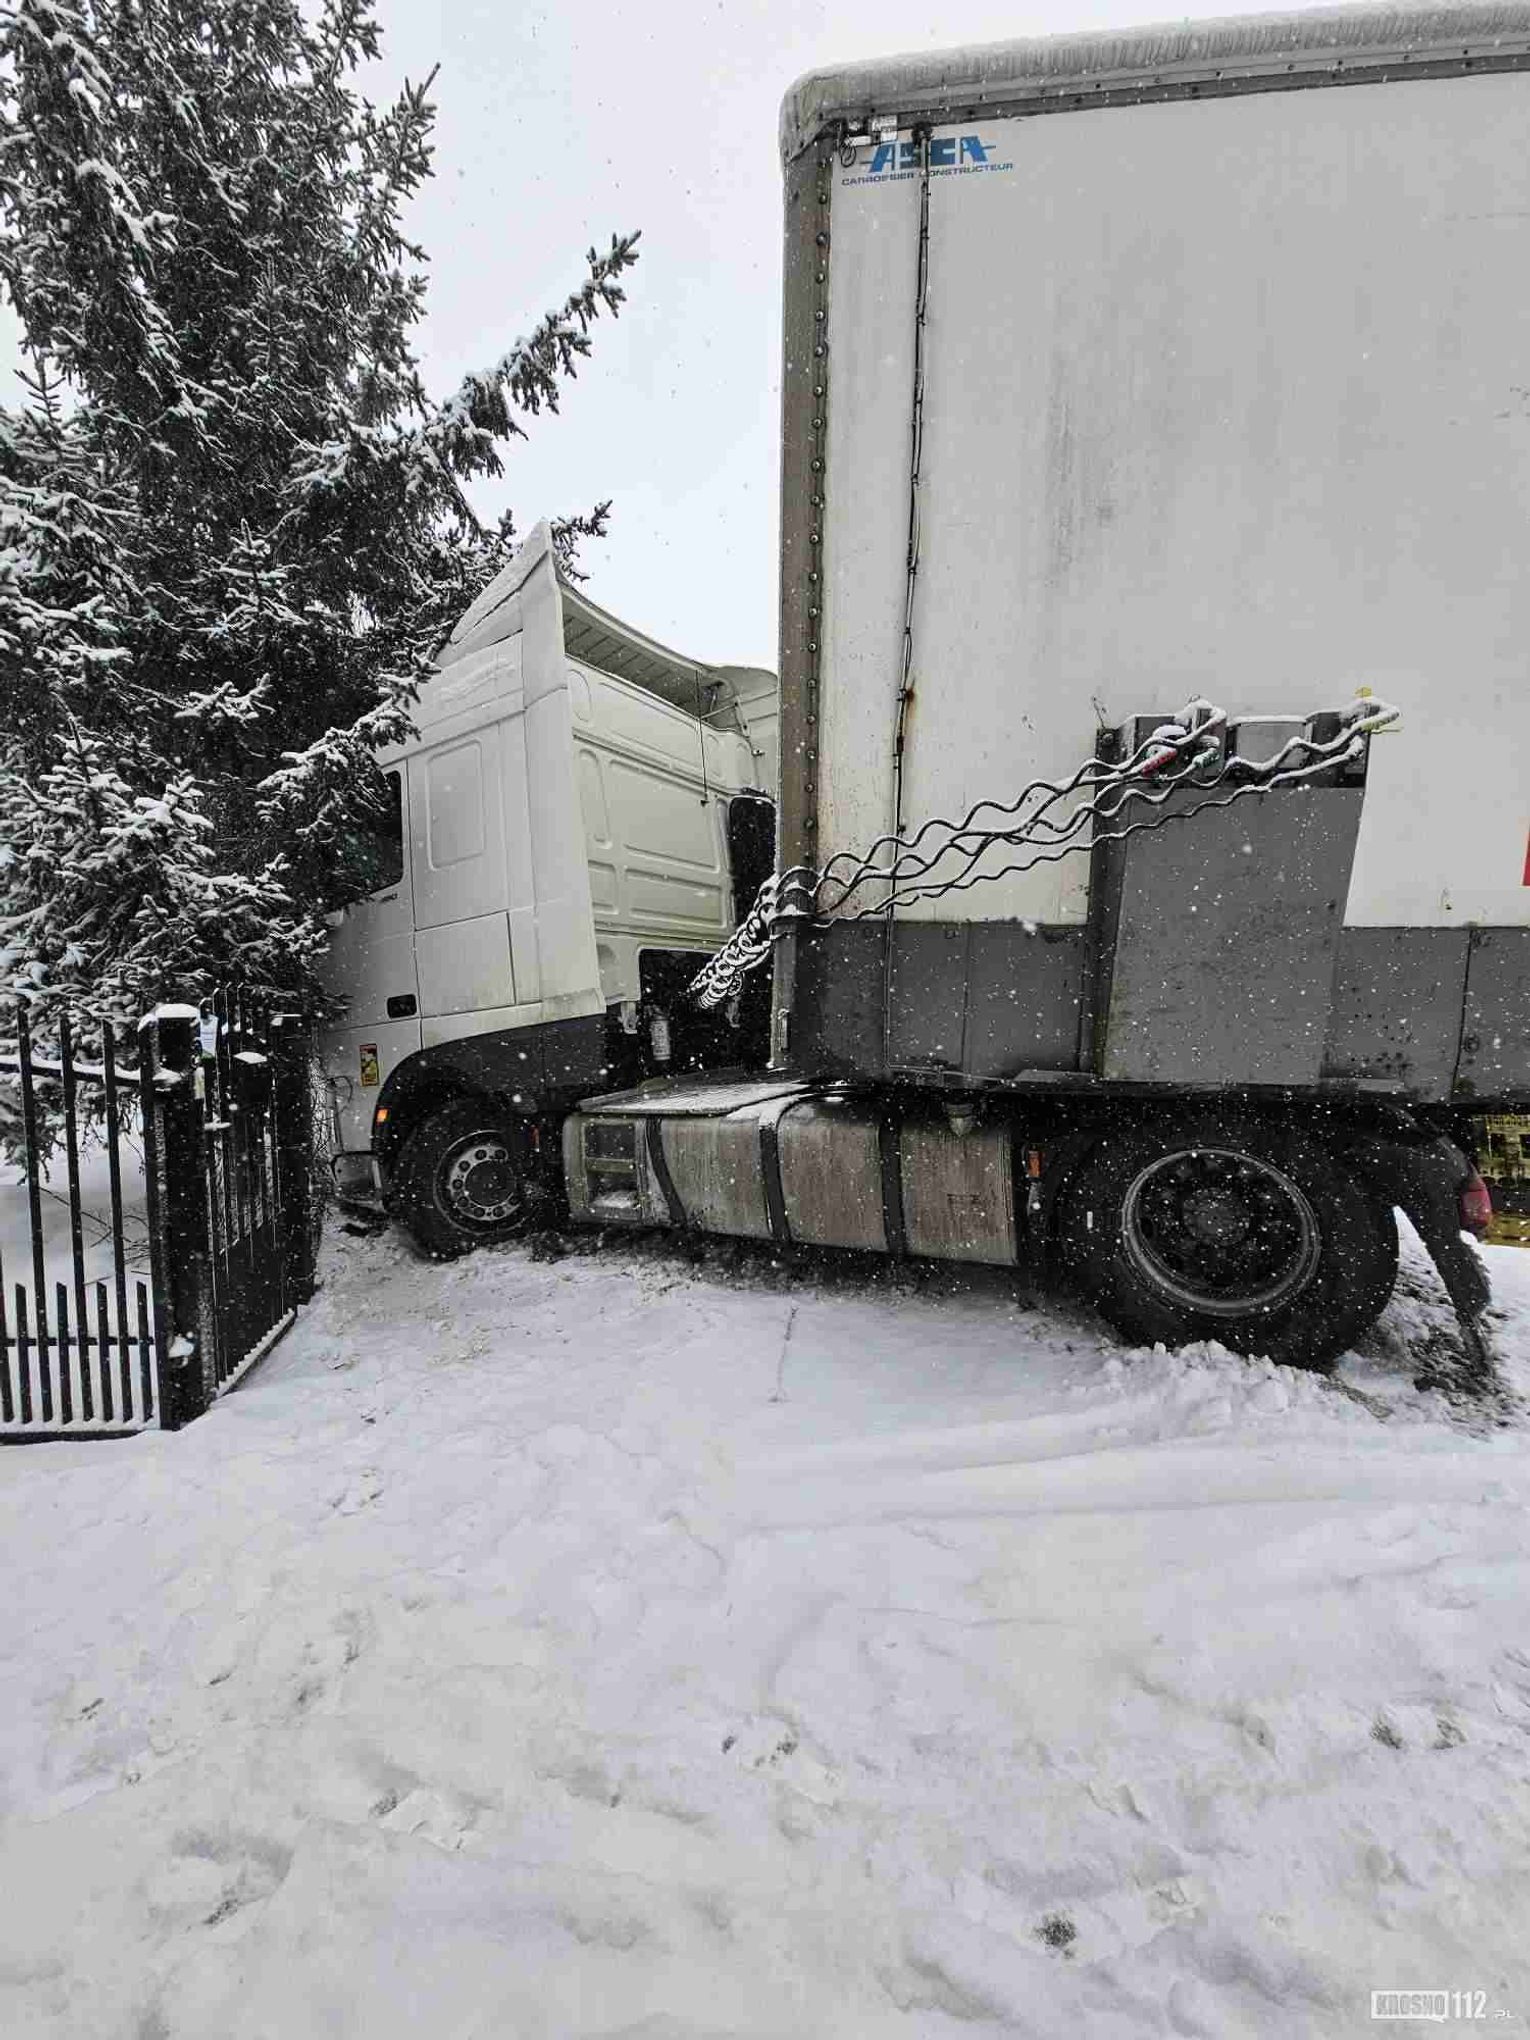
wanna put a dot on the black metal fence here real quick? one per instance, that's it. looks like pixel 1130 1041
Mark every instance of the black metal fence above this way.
pixel 146 1300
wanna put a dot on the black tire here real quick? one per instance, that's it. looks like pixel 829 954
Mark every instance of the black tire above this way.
pixel 1228 1229
pixel 465 1177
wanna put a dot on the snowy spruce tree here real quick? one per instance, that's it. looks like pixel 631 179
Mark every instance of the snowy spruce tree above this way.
pixel 233 526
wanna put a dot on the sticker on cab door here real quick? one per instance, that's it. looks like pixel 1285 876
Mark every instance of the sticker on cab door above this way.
pixel 370 1074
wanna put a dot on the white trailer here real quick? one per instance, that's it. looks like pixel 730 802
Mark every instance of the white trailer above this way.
pixel 560 850
pixel 1121 370
pixel 1213 339
pixel 1126 372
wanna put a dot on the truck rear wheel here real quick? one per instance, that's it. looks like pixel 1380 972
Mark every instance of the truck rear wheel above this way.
pixel 1229 1230
pixel 464 1178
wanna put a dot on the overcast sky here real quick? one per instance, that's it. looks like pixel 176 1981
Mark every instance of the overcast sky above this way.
pixel 561 123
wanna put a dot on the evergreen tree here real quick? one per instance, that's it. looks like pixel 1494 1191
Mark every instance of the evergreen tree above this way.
pixel 232 526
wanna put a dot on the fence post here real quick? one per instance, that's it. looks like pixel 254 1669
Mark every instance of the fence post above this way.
pixel 292 1108
pixel 188 1383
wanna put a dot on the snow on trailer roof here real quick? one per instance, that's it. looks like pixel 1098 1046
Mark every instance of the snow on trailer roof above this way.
pixel 986 76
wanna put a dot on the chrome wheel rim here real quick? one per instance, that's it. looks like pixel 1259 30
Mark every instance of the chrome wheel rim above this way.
pixel 480 1183
pixel 1220 1232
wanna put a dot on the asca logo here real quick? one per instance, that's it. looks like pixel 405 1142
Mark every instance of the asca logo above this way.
pixel 949 153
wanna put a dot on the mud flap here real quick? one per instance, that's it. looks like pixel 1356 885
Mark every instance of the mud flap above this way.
pixel 1424 1178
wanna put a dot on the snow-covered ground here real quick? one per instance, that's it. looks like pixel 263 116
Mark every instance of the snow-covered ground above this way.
pixel 610 1647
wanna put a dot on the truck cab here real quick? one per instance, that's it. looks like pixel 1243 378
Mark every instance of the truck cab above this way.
pixel 572 828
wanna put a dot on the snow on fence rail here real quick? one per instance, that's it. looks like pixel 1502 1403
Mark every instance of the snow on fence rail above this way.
pixel 90 1346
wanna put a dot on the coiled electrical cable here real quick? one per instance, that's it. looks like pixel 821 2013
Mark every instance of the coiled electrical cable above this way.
pixel 1187 750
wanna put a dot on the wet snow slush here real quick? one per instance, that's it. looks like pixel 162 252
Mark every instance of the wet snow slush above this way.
pixel 611 1646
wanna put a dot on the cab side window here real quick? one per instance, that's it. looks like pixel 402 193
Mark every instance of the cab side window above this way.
pixel 375 848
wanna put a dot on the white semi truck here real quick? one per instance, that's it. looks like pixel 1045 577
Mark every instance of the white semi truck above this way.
pixel 559 848
pixel 1153 885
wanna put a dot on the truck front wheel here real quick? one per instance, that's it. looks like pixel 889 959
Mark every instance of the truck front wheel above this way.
pixel 463 1178
pixel 1229 1230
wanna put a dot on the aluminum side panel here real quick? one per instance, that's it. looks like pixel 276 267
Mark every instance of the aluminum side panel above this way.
pixel 927 995
pixel 1401 1015
pixel 958 1193
pixel 831 1176
pixel 715 1164
pixel 1226 935
pixel 1397 1007
pixel 1495 1040
pixel 1024 989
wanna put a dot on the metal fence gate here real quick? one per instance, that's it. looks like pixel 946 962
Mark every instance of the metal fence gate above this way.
pixel 140 1305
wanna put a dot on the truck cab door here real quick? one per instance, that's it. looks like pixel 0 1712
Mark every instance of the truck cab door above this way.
pixel 371 966
pixel 461 875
